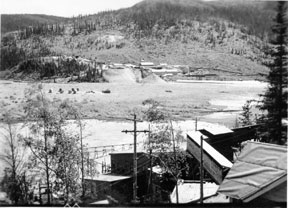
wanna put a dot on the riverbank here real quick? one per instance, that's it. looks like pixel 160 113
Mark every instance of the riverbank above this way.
pixel 183 101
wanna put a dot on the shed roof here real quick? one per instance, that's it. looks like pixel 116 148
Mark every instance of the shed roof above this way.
pixel 223 161
pixel 129 151
pixel 146 64
pixel 259 169
pixel 101 202
pixel 217 130
pixel 108 178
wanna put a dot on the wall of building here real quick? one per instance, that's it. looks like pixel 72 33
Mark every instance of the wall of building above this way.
pixel 122 163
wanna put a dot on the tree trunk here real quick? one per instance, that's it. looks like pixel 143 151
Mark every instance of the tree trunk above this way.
pixel 47 166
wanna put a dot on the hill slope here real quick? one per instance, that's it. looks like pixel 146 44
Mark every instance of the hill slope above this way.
pixel 12 22
pixel 218 36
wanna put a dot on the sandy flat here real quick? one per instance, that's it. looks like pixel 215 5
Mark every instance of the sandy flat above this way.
pixel 181 100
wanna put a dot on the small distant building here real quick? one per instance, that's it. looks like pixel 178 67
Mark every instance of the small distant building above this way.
pixel 259 175
pixel 162 71
pixel 130 65
pixel 201 74
pixel 116 66
pixel 146 64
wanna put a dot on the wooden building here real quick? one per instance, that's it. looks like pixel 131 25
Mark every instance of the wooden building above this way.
pixel 117 188
pixel 225 141
pixel 122 162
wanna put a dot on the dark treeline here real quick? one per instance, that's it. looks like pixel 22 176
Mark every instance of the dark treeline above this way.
pixel 165 20
pixel 60 67
pixel 13 54
pixel 16 22
pixel 41 29
pixel 255 19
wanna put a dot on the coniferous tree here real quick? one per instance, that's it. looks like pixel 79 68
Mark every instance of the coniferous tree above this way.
pixel 245 118
pixel 275 98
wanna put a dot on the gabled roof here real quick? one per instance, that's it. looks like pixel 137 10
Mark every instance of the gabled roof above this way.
pixel 259 169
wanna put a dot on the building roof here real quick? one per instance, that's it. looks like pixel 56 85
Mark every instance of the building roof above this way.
pixel 218 157
pixel 101 202
pixel 108 178
pixel 218 130
pixel 213 161
pixel 190 192
pixel 130 65
pixel 260 168
pixel 165 70
pixel 129 151
pixel 146 64
pixel 227 139
pixel 217 198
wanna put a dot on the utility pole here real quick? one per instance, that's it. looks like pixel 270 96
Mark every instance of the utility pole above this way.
pixel 175 157
pixel 201 170
pixel 135 156
pixel 196 124
pixel 82 160
pixel 78 118
pixel 150 190
pixel 46 156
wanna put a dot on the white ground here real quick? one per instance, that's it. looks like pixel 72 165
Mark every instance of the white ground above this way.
pixel 230 95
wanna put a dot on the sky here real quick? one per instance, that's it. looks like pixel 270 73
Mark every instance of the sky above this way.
pixel 64 8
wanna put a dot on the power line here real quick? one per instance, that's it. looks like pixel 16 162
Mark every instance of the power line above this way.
pixel 102 186
pixel 135 131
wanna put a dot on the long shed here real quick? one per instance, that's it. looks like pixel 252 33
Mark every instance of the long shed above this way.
pixel 213 161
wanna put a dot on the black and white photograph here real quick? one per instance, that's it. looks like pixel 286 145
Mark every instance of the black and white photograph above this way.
pixel 143 103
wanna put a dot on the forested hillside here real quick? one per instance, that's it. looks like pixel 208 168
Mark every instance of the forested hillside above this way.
pixel 254 17
pixel 228 36
pixel 14 22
